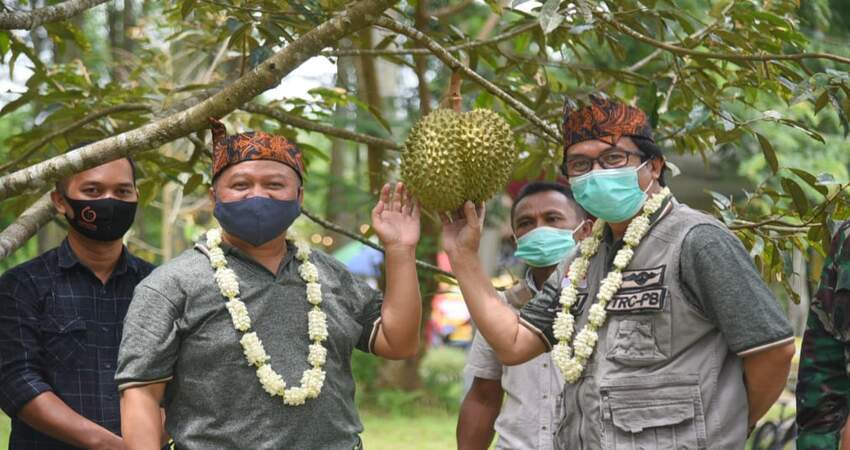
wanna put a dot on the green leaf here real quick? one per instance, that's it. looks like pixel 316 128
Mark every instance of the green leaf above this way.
pixel 192 183
pixel 549 18
pixel 720 201
pixel 811 180
pixel 717 8
pixel 187 7
pixel 648 102
pixel 495 6
pixel 4 42
pixel 758 247
pixel 826 179
pixel 380 118
pixel 147 191
pixel 696 117
pixel 769 153
pixel 798 125
pixel 801 203
pixel 822 100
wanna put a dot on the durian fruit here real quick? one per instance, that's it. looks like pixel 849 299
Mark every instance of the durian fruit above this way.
pixel 450 157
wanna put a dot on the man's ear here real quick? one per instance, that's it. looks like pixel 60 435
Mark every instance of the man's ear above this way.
pixel 300 195
pixel 657 165
pixel 60 205
pixel 584 231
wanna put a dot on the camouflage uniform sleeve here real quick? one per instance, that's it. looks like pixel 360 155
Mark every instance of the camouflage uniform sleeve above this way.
pixel 823 384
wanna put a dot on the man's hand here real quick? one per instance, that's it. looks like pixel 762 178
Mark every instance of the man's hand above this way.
pixel 107 441
pixel 396 218
pixel 48 414
pixel 462 230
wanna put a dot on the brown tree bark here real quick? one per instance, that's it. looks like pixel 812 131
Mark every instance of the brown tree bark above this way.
pixel 335 208
pixel 28 20
pixel 405 374
pixel 367 81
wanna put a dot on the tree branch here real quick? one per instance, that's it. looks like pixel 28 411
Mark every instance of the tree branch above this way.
pixel 425 51
pixel 282 116
pixel 725 56
pixel 359 238
pixel 263 77
pixel 27 20
pixel 26 225
pixel 70 127
pixel 455 64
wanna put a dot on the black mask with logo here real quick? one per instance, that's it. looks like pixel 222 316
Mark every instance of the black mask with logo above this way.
pixel 102 220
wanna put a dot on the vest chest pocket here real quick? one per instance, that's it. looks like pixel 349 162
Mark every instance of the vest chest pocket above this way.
pixel 652 416
pixel 637 341
pixel 63 340
pixel 639 329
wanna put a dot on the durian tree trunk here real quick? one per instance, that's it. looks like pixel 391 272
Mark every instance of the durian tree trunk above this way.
pixel 336 209
pixel 367 79
pixel 405 374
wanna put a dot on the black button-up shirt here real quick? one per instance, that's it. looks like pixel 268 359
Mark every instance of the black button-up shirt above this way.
pixel 60 328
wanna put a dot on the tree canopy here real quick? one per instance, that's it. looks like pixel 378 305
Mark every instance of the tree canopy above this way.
pixel 761 88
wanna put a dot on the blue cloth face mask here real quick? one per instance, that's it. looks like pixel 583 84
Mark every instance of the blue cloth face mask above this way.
pixel 545 246
pixel 612 195
pixel 257 220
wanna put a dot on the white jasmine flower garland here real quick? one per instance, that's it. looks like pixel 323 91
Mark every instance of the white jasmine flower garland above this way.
pixel 312 379
pixel 571 360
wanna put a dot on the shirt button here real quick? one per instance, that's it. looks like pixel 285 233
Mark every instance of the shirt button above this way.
pixel 544 427
pixel 545 397
pixel 107 365
pixel 545 365
pixel 104 329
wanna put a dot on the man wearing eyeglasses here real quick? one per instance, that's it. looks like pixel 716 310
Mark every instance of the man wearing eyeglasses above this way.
pixel 687 347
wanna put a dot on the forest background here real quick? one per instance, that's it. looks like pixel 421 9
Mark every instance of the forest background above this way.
pixel 757 92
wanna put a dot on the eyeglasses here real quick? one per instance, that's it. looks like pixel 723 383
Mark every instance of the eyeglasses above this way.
pixel 614 158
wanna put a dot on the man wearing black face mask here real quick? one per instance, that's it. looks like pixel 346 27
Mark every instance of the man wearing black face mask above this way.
pixel 61 318
pixel 247 338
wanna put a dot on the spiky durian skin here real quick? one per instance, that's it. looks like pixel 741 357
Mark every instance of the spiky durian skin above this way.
pixel 451 157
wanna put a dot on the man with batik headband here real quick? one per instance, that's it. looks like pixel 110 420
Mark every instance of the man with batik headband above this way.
pixel 665 333
pixel 247 338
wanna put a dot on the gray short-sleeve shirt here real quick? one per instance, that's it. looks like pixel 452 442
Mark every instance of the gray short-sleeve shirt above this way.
pixel 531 410
pixel 178 330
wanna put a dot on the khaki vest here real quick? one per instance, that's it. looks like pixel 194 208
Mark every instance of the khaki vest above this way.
pixel 662 376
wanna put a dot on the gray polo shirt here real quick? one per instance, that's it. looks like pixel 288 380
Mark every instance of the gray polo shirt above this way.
pixel 178 330
pixel 531 410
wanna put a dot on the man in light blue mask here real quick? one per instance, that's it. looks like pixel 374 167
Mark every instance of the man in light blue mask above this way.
pixel 298 315
pixel 672 340
pixel 547 222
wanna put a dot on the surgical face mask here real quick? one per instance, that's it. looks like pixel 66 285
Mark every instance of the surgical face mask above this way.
pixel 612 195
pixel 104 220
pixel 545 246
pixel 257 220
